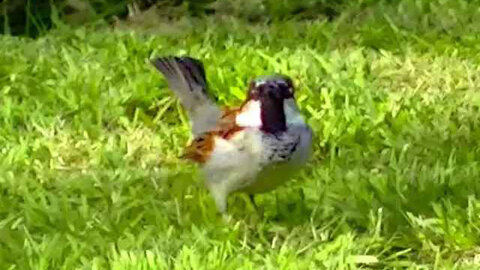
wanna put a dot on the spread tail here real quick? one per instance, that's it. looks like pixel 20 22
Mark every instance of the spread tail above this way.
pixel 186 78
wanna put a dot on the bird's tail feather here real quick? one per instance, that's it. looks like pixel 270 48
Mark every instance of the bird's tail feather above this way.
pixel 186 78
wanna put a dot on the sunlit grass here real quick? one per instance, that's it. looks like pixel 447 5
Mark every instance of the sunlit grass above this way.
pixel 90 138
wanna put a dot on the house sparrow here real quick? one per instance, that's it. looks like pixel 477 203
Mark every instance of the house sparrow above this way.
pixel 252 148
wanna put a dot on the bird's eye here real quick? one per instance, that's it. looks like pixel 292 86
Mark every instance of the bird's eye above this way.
pixel 286 89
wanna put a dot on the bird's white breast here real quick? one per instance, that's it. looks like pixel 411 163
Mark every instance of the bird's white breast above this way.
pixel 254 161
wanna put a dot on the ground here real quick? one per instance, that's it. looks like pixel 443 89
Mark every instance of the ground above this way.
pixel 90 137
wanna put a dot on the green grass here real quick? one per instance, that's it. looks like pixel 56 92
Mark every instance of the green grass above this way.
pixel 90 135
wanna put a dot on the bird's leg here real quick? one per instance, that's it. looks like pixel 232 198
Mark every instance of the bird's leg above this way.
pixel 252 200
pixel 220 196
pixel 258 210
pixel 220 200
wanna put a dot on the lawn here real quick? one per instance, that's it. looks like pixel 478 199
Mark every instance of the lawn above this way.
pixel 90 137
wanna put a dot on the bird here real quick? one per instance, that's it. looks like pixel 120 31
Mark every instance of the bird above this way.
pixel 251 148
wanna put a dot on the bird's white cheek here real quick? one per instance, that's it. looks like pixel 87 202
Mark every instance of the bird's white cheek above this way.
pixel 250 116
pixel 292 114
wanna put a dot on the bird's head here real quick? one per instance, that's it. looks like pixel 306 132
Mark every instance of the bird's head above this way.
pixel 270 104
pixel 272 87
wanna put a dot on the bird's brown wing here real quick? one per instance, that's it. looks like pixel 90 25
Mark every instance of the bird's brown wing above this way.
pixel 200 149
